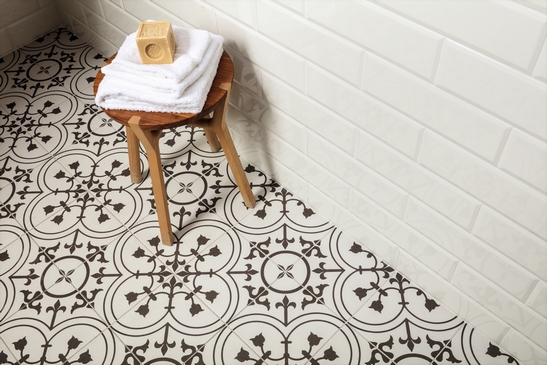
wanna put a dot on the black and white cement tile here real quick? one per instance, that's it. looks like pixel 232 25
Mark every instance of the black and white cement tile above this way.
pixel 84 278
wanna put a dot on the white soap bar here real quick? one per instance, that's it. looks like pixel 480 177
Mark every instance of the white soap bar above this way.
pixel 156 42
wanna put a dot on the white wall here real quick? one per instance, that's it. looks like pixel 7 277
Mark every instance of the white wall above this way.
pixel 23 21
pixel 419 127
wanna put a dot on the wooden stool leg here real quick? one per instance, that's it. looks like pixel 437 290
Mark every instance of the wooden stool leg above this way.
pixel 218 125
pixel 212 139
pixel 150 141
pixel 134 159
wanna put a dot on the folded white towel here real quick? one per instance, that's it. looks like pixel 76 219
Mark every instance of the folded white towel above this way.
pixel 145 81
pixel 114 93
pixel 191 46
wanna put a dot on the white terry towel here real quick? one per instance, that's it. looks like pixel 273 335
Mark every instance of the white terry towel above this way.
pixel 114 93
pixel 151 82
pixel 191 46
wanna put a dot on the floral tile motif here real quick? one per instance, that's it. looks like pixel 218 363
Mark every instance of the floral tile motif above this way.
pixel 84 278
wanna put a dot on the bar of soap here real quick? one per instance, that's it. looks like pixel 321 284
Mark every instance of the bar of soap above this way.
pixel 156 42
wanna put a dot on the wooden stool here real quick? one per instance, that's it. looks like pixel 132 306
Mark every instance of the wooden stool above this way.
pixel 146 128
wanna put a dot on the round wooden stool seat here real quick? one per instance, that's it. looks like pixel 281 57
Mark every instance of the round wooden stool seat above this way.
pixel 154 121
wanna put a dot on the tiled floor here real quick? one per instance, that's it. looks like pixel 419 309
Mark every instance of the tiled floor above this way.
pixel 85 280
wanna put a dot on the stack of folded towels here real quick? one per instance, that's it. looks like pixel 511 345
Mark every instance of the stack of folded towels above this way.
pixel 179 87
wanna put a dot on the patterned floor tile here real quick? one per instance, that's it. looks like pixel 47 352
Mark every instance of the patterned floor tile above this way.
pixel 279 330
pixel 403 325
pixel 229 348
pixel 471 347
pixel 345 347
pixel 7 63
pixel 105 348
pixel 85 278
pixel 59 61
pixel 23 135
pixel 35 340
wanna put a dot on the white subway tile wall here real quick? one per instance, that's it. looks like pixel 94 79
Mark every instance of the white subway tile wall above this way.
pixel 422 124
pixel 23 21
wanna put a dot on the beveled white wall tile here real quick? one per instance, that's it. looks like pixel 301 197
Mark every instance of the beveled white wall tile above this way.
pixel 106 29
pixel 241 10
pixel 311 114
pixel 336 189
pixel 281 149
pixel 276 170
pixel 486 183
pixel 94 5
pixel 146 10
pixel 481 257
pixel 119 18
pixel 194 13
pixel 5 43
pixel 275 151
pixel 247 102
pixel 352 226
pixel 285 127
pixel 65 19
pixel 74 8
pixel 91 37
pixel 510 94
pixel 304 38
pixel 33 26
pixel 261 51
pixel 538 299
pixel 436 109
pixel 540 5
pixel 246 74
pixel 276 146
pixel 512 240
pixel 425 251
pixel 452 298
pixel 380 31
pixel 296 5
pixel 289 180
pixel 270 117
pixel 526 158
pixel 361 178
pixel 238 124
pixel 399 131
pixel 14 11
pixel 540 71
pixel 369 212
pixel 245 126
pixel 416 180
pixel 502 29
pixel 526 352
pixel 513 312
pixel 44 3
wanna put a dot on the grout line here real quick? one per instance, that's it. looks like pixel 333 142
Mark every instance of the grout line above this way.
pixel 537 53
pixel 404 213
pixel 437 62
pixel 501 148
pixel 419 145
pixel 527 296
pixel 473 219
pixel 493 114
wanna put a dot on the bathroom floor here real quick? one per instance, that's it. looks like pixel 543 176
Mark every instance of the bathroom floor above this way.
pixel 84 278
